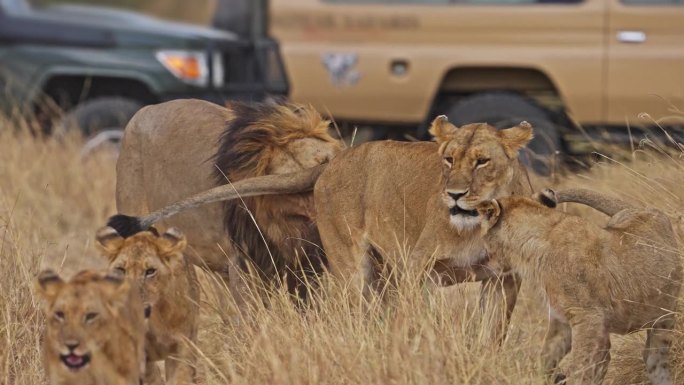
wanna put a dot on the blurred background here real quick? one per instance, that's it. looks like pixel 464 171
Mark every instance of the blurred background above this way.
pixel 586 73
pixel 195 11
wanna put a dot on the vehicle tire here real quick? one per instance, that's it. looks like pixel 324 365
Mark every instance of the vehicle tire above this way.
pixel 101 121
pixel 503 110
pixel 99 114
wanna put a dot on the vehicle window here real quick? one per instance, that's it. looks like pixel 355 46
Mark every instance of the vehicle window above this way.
pixel 504 2
pixel 653 2
pixel 14 6
pixel 192 11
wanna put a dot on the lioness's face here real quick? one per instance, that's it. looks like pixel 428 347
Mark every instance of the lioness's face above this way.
pixel 147 258
pixel 78 314
pixel 479 164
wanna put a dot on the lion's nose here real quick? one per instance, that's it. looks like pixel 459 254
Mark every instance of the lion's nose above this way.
pixel 457 195
pixel 72 344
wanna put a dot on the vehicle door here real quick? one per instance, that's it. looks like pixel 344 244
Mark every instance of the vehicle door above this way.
pixel 645 59
pixel 384 60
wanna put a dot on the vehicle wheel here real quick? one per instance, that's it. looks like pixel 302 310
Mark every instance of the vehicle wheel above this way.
pixel 503 110
pixel 95 115
pixel 101 120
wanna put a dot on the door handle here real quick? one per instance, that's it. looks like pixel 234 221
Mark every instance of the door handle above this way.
pixel 631 36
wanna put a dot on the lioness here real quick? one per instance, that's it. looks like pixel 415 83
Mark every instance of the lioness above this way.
pixel 95 329
pixel 597 281
pixel 376 200
pixel 168 284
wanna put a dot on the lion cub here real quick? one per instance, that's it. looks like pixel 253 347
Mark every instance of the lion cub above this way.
pixel 597 281
pixel 169 286
pixel 95 330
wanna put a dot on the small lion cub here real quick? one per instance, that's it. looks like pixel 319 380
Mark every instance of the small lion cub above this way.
pixel 169 288
pixel 618 279
pixel 95 330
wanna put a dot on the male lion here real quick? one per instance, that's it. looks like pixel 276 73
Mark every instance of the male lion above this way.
pixel 176 149
pixel 597 281
pixel 375 199
pixel 168 284
pixel 95 329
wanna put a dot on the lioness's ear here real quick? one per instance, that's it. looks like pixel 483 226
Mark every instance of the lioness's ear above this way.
pixel 48 284
pixel 109 242
pixel 547 197
pixel 172 242
pixel 515 138
pixel 490 211
pixel 442 130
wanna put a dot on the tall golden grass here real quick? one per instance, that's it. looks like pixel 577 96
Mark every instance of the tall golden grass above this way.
pixel 52 201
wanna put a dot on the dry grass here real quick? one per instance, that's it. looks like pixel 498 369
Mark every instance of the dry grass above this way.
pixel 51 202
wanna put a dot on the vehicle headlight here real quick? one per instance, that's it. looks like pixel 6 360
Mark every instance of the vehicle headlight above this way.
pixel 188 66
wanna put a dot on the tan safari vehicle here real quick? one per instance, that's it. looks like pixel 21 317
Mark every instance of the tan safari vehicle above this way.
pixel 555 63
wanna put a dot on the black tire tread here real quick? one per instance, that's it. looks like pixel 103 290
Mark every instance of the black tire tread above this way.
pixel 99 113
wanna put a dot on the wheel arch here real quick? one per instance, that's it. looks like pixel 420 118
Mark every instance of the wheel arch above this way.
pixel 465 80
pixel 489 78
pixel 68 90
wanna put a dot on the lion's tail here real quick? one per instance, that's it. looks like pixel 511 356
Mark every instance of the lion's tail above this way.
pixel 601 202
pixel 292 183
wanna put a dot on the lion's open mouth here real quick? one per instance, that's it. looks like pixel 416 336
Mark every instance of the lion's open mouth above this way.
pixel 456 210
pixel 74 361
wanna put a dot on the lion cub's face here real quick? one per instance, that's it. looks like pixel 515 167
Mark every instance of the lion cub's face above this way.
pixel 81 314
pixel 490 212
pixel 146 257
pixel 479 163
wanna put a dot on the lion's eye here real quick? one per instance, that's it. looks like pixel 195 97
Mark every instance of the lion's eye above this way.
pixel 120 270
pixel 481 162
pixel 150 272
pixel 89 317
pixel 59 315
pixel 449 161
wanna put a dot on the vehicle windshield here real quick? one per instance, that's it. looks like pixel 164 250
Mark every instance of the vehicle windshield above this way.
pixel 15 6
pixel 195 11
